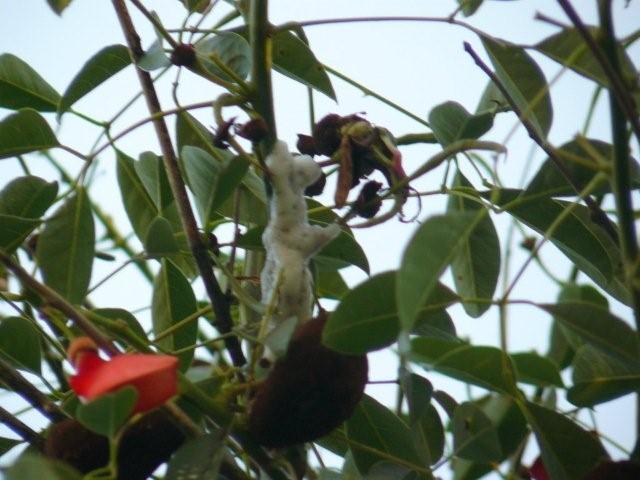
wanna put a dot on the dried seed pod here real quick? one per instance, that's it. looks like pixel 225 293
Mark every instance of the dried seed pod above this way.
pixel 368 202
pixel 309 392
pixel 145 445
pixel 317 187
pixel 184 55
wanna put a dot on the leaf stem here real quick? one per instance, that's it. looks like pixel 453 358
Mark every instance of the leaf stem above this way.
pixel 220 303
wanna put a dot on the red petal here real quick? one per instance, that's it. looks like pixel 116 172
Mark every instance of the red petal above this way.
pixel 153 376
pixel 537 470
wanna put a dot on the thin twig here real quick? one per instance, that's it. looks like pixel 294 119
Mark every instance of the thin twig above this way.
pixel 220 303
pixel 21 429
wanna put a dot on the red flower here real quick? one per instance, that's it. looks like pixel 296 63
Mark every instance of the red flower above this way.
pixel 153 376
pixel 537 470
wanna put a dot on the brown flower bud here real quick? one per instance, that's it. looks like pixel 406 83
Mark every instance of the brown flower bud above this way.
pixel 184 55
pixel 306 145
pixel 326 134
pixel 368 202
pixel 254 130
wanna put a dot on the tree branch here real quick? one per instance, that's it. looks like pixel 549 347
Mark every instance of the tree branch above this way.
pixel 219 302
pixel 21 429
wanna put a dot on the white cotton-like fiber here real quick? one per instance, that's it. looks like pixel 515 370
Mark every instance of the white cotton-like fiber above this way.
pixel 289 240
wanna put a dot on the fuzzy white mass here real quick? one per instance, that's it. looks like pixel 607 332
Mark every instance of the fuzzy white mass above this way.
pixel 289 239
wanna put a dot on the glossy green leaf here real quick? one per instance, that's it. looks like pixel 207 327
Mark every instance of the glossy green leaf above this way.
pixel 474 435
pixel 173 300
pixel 487 367
pixel 98 69
pixel 293 58
pixel 568 48
pixel 536 370
pixel 524 80
pixel 376 427
pixel 198 459
pixel 560 350
pixel 584 242
pixel 20 343
pixel 189 131
pixel 476 266
pixel 7 444
pixel 598 378
pixel 108 413
pixel 211 181
pixel 22 87
pixel 66 248
pixel 160 240
pixel 579 158
pixel 598 327
pixel 22 202
pixel 230 49
pixel 366 319
pixel 154 58
pixel 330 284
pixel 450 121
pixel 568 451
pixel 23 132
pixel 424 420
pixel 122 316
pixel 492 100
pixel 32 465
pixel 431 249
pixel 446 401
pixel 151 172
pixel 58 6
pixel 435 324
pixel 138 204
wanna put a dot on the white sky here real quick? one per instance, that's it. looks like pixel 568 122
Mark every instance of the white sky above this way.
pixel 417 65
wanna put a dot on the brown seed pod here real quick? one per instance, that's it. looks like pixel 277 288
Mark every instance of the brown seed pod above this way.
pixel 184 55
pixel 146 444
pixel 309 392
pixel 254 130
pixel 316 187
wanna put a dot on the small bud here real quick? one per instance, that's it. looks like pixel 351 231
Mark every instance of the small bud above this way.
pixel 528 243
pixel 316 187
pixel 254 130
pixel 368 202
pixel 184 55
pixel 306 145
pixel 221 138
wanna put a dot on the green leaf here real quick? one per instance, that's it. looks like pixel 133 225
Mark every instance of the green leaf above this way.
pixel 487 367
pixel 58 5
pixel 579 158
pixel 189 131
pixel 376 427
pixel 22 202
pixel 138 204
pixel 7 444
pixel 450 121
pixel 173 300
pixel 598 327
pixel 474 436
pixel 431 249
pixel 98 69
pixel 598 378
pixel 121 315
pixel 66 248
pixel 476 266
pixel 424 420
pixel 211 181
pixel 536 370
pixel 230 49
pixel 154 57
pixel 568 48
pixel 469 7
pixel 160 240
pixel 20 343
pixel 22 87
pixel 196 5
pixel 366 319
pixel 568 451
pixel 525 82
pixel 492 100
pixel 198 459
pixel 293 58
pixel 584 242
pixel 32 465
pixel 330 284
pixel 23 132
pixel 108 413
